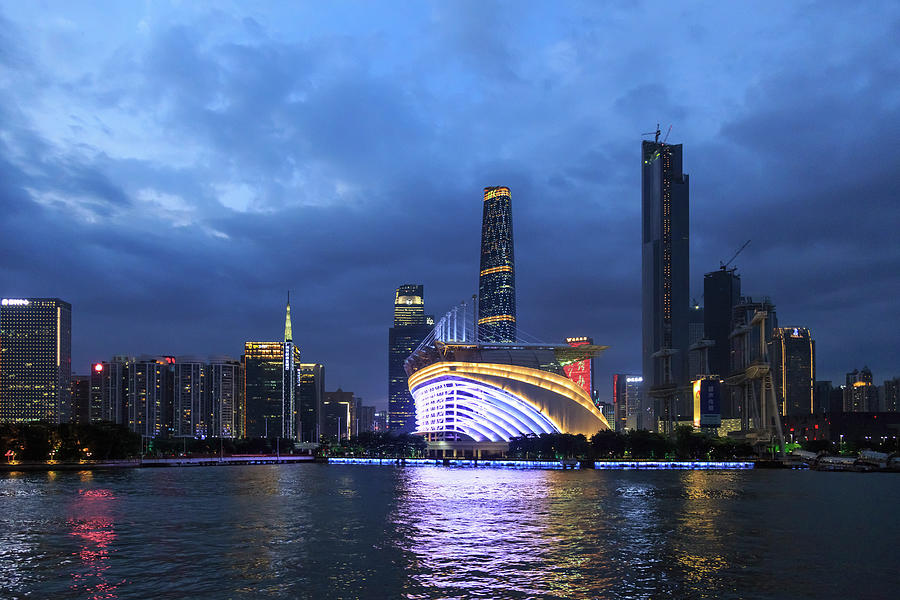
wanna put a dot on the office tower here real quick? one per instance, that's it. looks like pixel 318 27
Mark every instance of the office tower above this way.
pixel 721 293
pixel 35 359
pixel 890 395
pixel 497 280
pixel 411 326
pixel 339 409
pixel 821 394
pixel 81 399
pixel 665 271
pixel 409 305
pixel 190 411
pixel 581 371
pixel 148 395
pixel 270 385
pixel 264 378
pixel 629 406
pixel 310 395
pixel 223 380
pixel 860 393
pixel 695 334
pixel 794 370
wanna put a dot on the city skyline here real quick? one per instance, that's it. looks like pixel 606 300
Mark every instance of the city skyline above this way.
pixel 178 218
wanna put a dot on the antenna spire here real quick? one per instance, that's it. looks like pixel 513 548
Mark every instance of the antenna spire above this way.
pixel 287 320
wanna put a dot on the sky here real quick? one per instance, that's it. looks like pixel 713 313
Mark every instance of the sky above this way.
pixel 172 168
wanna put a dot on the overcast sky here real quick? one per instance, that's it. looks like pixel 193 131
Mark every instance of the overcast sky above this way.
pixel 173 168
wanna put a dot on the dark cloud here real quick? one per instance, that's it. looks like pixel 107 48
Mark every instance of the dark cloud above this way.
pixel 173 185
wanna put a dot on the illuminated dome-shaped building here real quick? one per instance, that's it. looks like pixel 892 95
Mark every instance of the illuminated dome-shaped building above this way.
pixel 493 392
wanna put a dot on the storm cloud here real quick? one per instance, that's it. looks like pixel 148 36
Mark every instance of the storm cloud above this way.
pixel 172 170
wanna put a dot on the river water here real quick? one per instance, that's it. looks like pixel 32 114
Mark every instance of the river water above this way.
pixel 353 531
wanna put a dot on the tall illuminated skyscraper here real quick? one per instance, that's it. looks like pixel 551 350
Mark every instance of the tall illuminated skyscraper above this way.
pixel 35 359
pixel 665 268
pixel 794 363
pixel 497 280
pixel 270 385
pixel 411 326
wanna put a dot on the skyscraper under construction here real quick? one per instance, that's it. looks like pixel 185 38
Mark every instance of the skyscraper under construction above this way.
pixel 497 280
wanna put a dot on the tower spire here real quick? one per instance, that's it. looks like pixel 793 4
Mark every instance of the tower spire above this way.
pixel 287 320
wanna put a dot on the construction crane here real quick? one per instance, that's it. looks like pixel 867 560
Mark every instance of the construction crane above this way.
pixel 731 260
pixel 657 133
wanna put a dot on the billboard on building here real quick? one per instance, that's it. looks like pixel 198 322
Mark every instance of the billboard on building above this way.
pixel 707 403
pixel 580 371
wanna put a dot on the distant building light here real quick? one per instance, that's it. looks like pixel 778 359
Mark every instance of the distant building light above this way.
pixel 634 379
pixel 98 367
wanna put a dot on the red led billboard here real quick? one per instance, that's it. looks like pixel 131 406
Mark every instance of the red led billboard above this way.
pixel 580 371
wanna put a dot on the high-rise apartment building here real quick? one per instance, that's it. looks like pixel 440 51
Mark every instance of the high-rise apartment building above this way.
pixel 411 326
pixel 224 385
pixel 108 390
pixel 310 395
pixel 860 393
pixel 665 269
pixel 191 411
pixel 794 370
pixel 270 385
pixel 149 390
pixel 497 279
pixel 35 359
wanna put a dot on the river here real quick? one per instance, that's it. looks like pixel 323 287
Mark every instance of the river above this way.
pixel 354 531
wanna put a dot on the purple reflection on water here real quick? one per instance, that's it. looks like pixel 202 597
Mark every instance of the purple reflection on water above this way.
pixel 92 522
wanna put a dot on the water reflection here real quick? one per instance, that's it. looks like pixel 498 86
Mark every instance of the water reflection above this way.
pixel 92 524
pixel 477 534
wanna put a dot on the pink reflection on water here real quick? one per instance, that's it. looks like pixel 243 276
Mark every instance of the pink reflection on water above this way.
pixel 93 525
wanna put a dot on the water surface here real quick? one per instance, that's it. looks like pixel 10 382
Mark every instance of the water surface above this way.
pixel 336 531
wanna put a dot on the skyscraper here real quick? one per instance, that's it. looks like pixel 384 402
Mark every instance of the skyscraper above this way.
pixel 310 395
pixel 411 326
pixel 497 280
pixel 35 359
pixel 270 385
pixel 665 268
pixel 794 363
pixel 721 293
pixel 581 371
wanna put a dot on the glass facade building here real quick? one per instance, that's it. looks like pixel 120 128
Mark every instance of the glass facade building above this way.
pixel 310 395
pixel 794 362
pixel 665 266
pixel 265 375
pixel 411 326
pixel 35 360
pixel 497 278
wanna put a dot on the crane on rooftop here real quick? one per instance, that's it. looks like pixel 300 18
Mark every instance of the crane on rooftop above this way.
pixel 724 265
